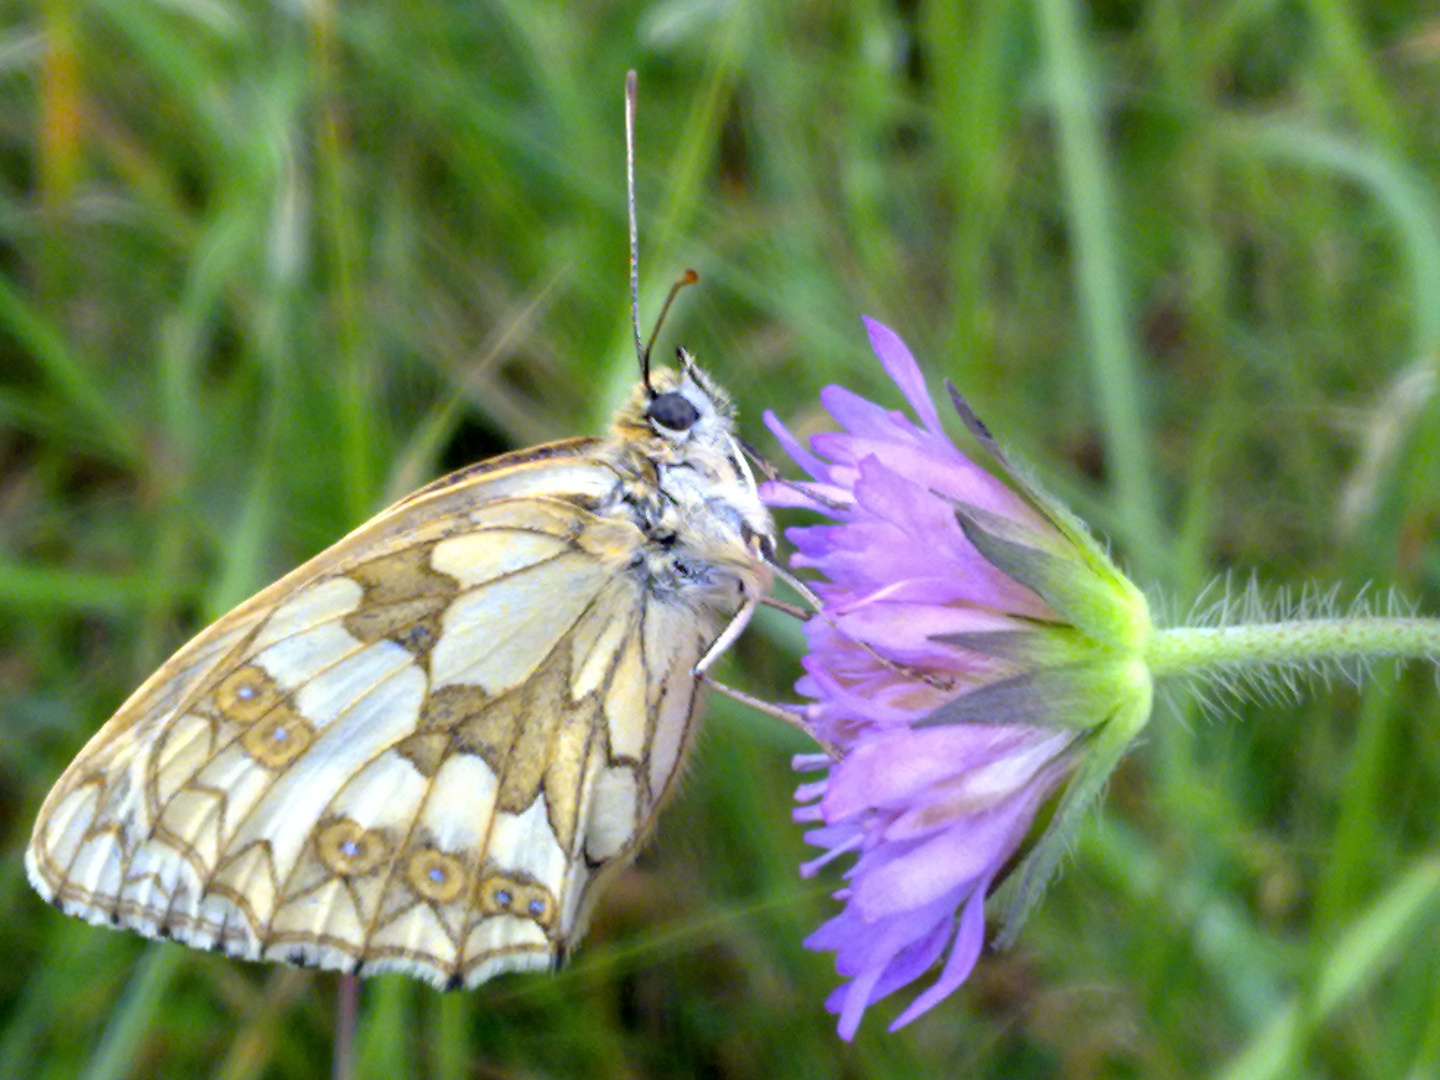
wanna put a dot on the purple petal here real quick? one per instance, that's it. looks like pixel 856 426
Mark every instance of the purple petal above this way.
pixel 813 866
pixel 791 445
pixel 857 1000
pixel 912 962
pixel 1030 773
pixel 915 959
pixel 859 705
pixel 932 868
pixel 836 933
pixel 809 792
pixel 969 939
pixel 890 769
pixel 863 420
pixel 883 956
pixel 902 368
pixel 907 626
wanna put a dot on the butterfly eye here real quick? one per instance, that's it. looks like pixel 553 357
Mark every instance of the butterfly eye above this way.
pixel 673 411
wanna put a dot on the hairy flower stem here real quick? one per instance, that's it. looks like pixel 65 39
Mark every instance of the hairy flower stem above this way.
pixel 1195 650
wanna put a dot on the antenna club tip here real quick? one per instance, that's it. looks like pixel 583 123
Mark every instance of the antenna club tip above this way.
pixel 631 80
pixel 689 277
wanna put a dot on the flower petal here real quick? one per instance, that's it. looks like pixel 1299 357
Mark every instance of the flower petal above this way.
pixel 894 769
pixel 969 939
pixel 791 445
pixel 900 365
pixel 962 854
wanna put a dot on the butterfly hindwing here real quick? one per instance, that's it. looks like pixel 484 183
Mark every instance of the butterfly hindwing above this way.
pixel 420 751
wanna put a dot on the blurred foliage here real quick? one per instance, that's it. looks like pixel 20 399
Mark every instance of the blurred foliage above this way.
pixel 265 266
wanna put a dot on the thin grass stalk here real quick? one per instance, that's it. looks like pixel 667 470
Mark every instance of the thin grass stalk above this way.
pixel 1104 306
pixel 347 1007
pixel 135 1014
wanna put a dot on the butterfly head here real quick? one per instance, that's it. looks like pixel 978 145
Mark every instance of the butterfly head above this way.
pixel 685 406
pixel 677 412
pixel 682 424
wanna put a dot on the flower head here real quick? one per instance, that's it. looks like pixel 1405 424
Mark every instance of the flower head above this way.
pixel 975 651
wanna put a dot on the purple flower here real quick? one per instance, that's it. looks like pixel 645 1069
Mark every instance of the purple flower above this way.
pixel 973 646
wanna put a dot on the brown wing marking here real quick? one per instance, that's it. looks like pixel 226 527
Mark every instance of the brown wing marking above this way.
pixel 172 696
pixel 554 762
pixel 510 908
pixel 106 765
pixel 668 641
pixel 424 892
pixel 280 885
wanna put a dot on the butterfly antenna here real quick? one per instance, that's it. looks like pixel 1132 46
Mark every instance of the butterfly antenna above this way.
pixel 641 354
pixel 689 277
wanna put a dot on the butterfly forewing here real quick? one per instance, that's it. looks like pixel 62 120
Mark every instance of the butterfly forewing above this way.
pixel 421 751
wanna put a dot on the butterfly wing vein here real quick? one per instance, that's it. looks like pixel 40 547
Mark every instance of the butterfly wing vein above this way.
pixel 423 751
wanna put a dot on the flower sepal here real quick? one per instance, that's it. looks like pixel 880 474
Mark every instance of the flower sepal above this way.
pixel 1077 696
pixel 1103 605
pixel 1066 567
pixel 1047 645
pixel 1055 512
pixel 1096 759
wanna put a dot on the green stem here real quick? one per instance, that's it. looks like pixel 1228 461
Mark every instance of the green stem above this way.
pixel 1191 650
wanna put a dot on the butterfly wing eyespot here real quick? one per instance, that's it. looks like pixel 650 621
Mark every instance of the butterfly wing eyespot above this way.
pixel 423 751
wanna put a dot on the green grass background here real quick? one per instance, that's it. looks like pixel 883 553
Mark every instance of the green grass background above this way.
pixel 264 267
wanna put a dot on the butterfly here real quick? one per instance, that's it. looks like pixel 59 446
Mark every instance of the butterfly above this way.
pixel 428 748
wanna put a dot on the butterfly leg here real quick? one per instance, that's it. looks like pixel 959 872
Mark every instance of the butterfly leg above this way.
pixel 736 625
pixel 800 587
pixel 772 475
pixel 817 606
pixel 795 611
pixel 733 629
pixel 793 715
pixel 347 1008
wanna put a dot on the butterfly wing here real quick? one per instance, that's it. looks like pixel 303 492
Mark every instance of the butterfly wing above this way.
pixel 421 751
